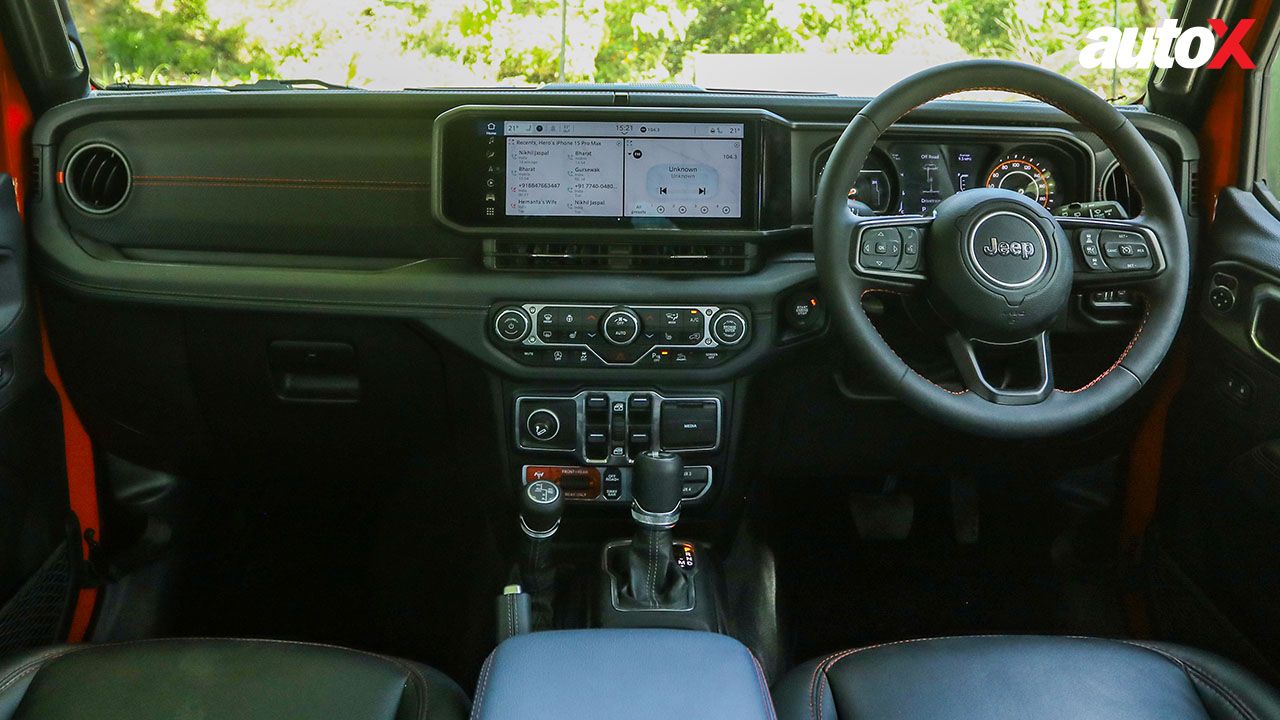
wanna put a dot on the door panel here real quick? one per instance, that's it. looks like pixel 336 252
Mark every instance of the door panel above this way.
pixel 1219 521
pixel 39 550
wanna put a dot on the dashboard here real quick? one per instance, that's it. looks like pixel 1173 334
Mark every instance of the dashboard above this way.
pixel 392 203
pixel 589 274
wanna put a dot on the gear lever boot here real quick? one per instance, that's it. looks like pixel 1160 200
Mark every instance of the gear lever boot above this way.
pixel 648 575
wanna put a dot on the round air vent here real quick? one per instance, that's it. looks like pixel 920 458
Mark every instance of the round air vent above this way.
pixel 97 178
pixel 1115 186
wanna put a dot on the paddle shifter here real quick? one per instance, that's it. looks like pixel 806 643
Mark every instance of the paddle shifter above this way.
pixel 648 575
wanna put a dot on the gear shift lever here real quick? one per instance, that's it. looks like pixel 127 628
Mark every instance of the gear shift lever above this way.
pixel 652 580
pixel 656 490
pixel 541 507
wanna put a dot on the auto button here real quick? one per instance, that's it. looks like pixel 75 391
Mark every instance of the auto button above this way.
pixel 620 326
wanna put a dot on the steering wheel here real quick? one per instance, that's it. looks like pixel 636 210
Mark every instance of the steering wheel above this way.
pixel 998 268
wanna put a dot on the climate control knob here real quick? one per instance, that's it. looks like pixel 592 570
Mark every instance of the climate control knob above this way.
pixel 729 327
pixel 512 324
pixel 620 326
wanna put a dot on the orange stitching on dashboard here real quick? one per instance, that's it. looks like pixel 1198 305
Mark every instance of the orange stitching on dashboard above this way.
pixel 245 178
pixel 273 185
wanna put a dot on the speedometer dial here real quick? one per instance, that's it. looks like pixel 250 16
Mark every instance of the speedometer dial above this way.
pixel 1024 173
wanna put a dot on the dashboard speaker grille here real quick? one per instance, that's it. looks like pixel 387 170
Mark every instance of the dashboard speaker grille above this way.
pixel 97 178
pixel 1115 186
pixel 652 257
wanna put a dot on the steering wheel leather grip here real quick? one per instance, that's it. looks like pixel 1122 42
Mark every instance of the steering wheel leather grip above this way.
pixel 1000 278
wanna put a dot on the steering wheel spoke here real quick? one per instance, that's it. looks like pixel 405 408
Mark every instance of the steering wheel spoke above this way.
pixel 1114 253
pixel 1025 370
pixel 888 251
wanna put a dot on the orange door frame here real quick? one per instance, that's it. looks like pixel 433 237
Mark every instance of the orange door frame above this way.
pixel 17 119
pixel 1220 153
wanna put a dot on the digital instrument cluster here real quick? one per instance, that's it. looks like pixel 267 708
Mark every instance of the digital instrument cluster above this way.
pixel 911 178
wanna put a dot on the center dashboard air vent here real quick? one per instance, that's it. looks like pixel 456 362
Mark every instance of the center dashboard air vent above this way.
pixel 621 256
pixel 1115 186
pixel 97 178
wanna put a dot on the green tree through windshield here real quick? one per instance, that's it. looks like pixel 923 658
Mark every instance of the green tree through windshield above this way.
pixel 849 46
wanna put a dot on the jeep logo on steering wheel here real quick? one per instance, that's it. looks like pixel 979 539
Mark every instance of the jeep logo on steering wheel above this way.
pixel 1000 245
pixel 1009 249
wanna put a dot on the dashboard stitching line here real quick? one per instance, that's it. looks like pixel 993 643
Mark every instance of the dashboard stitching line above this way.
pixel 247 178
pixel 282 186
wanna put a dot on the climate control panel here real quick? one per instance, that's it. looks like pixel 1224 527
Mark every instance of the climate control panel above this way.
pixel 599 335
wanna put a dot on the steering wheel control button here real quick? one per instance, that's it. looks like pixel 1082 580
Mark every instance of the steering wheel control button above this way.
pixel 620 326
pixel 1126 251
pixel 1087 239
pixel 1008 250
pixel 512 325
pixel 911 237
pixel 880 248
pixel 729 327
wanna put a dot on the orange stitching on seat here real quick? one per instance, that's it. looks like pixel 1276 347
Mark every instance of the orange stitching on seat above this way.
pixel 830 661
pixel 765 698
pixel 410 669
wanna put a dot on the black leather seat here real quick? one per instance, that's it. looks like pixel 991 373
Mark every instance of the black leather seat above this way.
pixel 222 679
pixel 1023 678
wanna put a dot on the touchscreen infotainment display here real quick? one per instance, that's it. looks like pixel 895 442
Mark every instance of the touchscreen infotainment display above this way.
pixel 559 168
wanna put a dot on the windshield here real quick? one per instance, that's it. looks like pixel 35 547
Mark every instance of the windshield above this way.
pixel 851 47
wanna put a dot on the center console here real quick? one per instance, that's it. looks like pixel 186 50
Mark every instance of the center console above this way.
pixel 603 432
pixel 622 675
